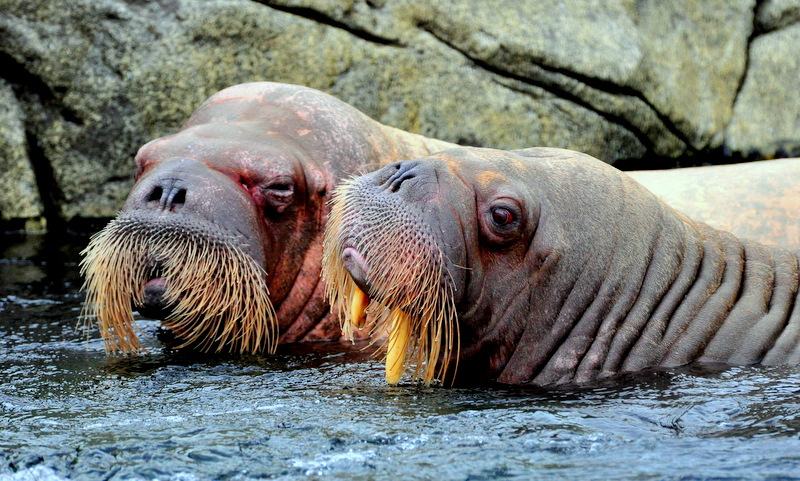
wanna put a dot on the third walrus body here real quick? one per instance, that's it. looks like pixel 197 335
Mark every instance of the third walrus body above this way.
pixel 752 200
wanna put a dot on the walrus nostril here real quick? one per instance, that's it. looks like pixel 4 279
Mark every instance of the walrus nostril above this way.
pixel 155 195
pixel 177 197
pixel 405 171
pixel 167 196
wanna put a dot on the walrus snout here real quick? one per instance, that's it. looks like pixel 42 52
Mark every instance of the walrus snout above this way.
pixel 186 190
pixel 357 267
pixel 188 248
pixel 403 171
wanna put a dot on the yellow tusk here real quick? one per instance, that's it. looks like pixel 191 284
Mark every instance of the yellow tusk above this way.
pixel 398 343
pixel 358 308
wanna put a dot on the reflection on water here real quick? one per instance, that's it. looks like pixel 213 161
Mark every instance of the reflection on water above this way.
pixel 323 411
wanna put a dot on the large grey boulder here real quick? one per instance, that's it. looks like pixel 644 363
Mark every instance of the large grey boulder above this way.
pixel 766 117
pixel 84 83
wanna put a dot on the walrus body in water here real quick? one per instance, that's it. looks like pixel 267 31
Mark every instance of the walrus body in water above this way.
pixel 546 266
pixel 221 235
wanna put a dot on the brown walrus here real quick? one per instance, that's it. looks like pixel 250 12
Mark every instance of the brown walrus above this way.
pixel 221 234
pixel 546 266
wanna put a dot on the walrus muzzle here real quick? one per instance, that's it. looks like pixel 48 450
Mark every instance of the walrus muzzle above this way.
pixel 213 293
pixel 183 250
pixel 381 260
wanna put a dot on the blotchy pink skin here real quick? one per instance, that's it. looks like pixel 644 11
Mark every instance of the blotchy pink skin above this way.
pixel 284 148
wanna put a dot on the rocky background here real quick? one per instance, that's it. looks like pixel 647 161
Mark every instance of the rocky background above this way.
pixel 638 83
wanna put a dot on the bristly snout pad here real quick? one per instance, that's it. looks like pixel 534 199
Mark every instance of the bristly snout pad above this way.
pixel 410 290
pixel 219 292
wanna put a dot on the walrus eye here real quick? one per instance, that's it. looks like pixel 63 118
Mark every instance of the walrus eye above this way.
pixel 279 194
pixel 501 216
pixel 501 223
pixel 280 187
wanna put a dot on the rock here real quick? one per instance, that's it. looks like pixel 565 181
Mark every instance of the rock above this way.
pixel 775 14
pixel 694 59
pixel 766 119
pixel 19 196
pixel 84 83
pixel 666 71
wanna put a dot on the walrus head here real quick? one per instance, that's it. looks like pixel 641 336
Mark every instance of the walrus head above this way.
pixel 487 260
pixel 221 236
pixel 186 248
pixel 413 238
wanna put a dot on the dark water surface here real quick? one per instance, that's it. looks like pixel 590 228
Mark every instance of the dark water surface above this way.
pixel 68 412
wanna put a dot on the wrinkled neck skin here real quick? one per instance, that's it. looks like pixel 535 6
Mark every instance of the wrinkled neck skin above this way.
pixel 615 281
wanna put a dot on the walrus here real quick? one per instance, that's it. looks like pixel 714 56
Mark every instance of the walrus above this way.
pixel 752 200
pixel 545 267
pixel 220 236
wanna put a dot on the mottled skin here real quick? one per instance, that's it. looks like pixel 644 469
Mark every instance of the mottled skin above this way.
pixel 260 160
pixel 590 276
pixel 754 200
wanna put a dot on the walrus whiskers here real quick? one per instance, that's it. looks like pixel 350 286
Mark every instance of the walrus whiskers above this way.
pixel 412 290
pixel 219 293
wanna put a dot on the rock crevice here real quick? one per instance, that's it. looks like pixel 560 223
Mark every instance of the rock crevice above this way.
pixel 321 18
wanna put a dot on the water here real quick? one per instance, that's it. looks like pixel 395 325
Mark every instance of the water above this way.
pixel 324 412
